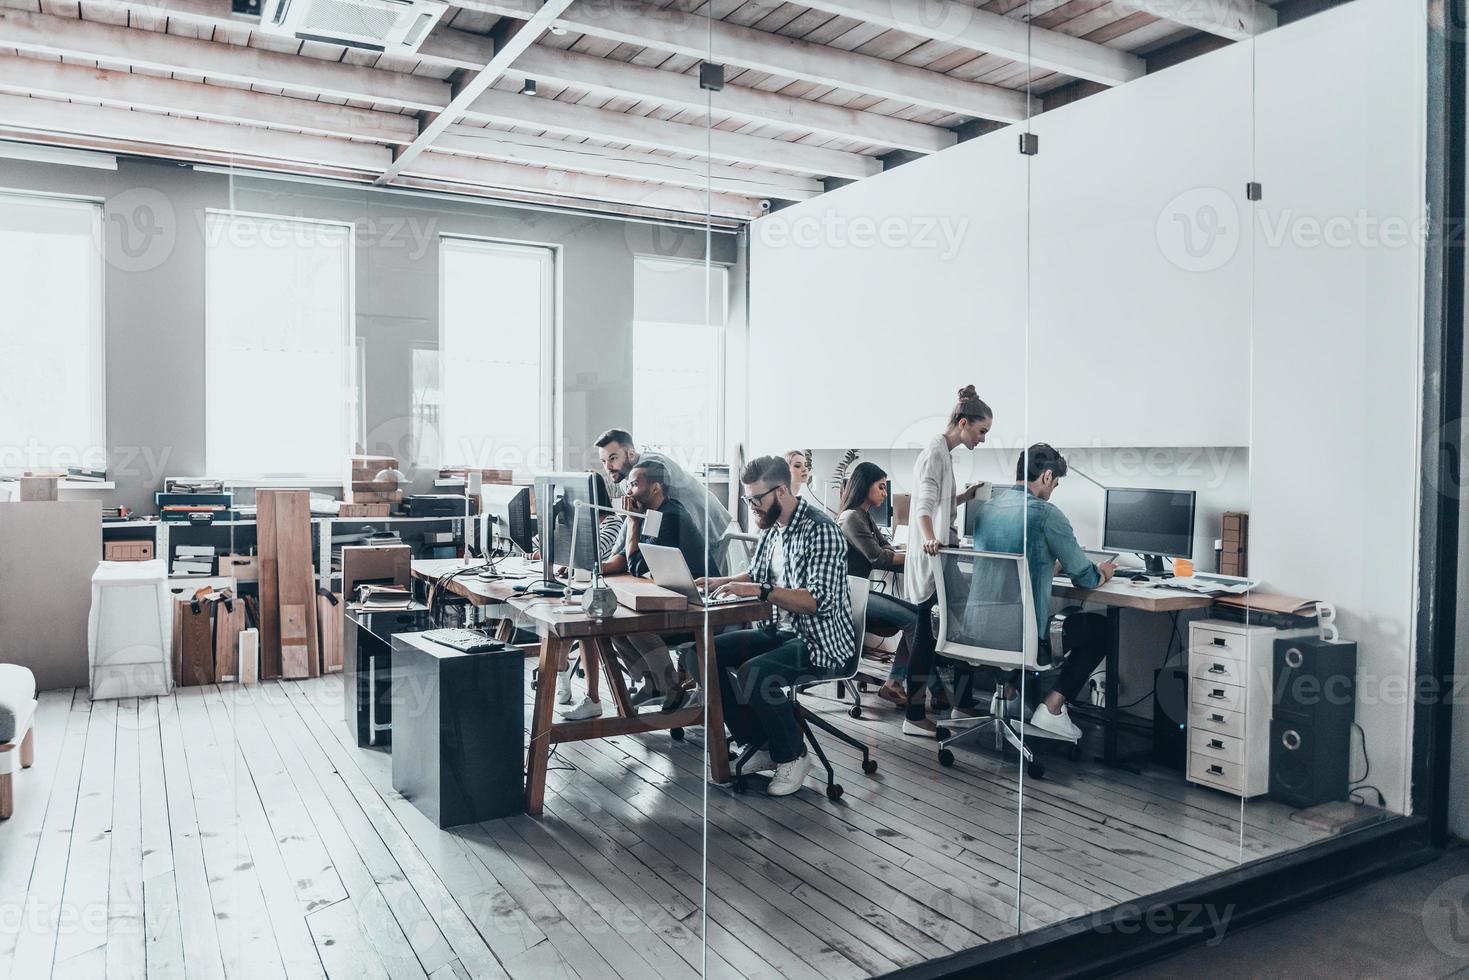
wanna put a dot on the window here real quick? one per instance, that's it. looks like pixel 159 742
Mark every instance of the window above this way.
pixel 679 311
pixel 52 408
pixel 496 333
pixel 279 342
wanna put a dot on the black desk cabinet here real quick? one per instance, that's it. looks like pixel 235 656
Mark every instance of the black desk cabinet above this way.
pixel 367 667
pixel 458 730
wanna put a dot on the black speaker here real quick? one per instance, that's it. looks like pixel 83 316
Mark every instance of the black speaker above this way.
pixel 1311 730
pixel 1170 717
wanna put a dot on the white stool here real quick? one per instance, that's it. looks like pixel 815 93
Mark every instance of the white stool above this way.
pixel 130 630
pixel 17 718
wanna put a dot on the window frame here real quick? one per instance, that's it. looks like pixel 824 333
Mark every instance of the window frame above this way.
pixel 550 418
pixel 328 478
pixel 97 362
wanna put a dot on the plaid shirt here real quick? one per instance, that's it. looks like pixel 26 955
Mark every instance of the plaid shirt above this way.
pixel 815 560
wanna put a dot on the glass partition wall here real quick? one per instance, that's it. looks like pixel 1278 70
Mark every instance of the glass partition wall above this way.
pixel 1180 369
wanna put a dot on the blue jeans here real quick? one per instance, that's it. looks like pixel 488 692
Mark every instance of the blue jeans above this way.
pixel 755 667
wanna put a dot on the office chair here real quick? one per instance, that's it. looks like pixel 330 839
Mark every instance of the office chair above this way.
pixel 986 618
pixel 859 589
pixel 739 549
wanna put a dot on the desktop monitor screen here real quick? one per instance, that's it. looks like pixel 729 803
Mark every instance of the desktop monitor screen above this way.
pixel 557 495
pixel 1150 522
pixel 508 512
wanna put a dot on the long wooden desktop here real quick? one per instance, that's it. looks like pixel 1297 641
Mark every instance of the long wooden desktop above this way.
pixel 1116 596
pixel 558 625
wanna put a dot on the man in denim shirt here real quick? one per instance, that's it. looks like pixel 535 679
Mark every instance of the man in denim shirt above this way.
pixel 1022 520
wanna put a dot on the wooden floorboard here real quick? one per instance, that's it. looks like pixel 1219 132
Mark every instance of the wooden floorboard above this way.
pixel 236 832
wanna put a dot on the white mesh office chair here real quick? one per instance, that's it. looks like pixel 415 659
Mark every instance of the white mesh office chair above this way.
pixel 859 587
pixel 986 618
pixel 739 548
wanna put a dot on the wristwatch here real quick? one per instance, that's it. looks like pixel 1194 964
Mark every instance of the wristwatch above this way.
pixel 765 591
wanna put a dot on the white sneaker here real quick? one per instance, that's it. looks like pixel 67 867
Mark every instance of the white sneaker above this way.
pixel 1002 707
pixel 789 776
pixel 1059 725
pixel 918 731
pixel 760 762
pixel 586 709
pixel 563 685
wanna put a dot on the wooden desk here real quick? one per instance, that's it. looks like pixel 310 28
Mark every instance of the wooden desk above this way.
pixel 1117 596
pixel 560 625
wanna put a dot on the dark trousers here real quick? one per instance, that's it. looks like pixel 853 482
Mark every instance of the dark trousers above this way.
pixel 755 667
pixel 1084 640
pixel 922 672
pixel 892 613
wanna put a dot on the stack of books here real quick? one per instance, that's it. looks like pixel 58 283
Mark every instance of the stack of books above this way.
pixel 377 598
pixel 112 515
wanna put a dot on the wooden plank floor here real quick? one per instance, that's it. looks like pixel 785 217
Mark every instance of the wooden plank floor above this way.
pixel 239 832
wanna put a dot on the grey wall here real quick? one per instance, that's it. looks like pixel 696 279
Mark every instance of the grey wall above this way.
pixel 154 307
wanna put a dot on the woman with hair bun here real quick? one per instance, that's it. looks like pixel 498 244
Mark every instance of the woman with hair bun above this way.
pixel 934 516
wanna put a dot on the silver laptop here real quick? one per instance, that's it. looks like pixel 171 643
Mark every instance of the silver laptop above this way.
pixel 670 571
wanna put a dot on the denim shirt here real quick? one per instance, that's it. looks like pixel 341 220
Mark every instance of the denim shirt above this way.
pixel 1016 521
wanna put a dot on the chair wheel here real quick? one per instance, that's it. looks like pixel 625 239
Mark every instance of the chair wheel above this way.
pixel 870 766
pixel 855 711
pixel 834 791
pixel 739 784
pixel 676 734
pixel 943 733
pixel 946 758
pixel 1036 770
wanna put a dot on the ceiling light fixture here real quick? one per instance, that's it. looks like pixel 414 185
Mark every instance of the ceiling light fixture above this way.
pixel 529 88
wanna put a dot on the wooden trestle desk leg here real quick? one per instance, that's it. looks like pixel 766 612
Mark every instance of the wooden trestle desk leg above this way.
pixel 552 650
pixel 714 737
pixel 603 654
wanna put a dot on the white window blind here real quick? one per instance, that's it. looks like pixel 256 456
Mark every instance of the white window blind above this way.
pixel 278 360
pixel 679 313
pixel 52 406
pixel 496 335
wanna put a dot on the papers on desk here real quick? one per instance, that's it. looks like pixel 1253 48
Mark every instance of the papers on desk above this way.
pixel 1208 584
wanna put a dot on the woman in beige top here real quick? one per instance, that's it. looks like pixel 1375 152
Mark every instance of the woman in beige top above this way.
pixel 935 510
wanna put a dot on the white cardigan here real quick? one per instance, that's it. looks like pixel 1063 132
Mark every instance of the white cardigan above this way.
pixel 934 491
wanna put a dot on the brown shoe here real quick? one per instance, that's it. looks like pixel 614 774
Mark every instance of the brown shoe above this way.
pixel 893 691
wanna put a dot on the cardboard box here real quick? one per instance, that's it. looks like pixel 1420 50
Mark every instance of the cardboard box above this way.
pixel 364 510
pixel 127 550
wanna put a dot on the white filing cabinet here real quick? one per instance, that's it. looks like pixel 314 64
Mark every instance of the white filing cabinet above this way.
pixel 1230 679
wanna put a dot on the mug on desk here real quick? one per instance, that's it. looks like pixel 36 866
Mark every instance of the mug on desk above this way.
pixel 1183 567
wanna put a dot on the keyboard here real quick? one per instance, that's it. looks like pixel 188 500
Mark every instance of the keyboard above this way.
pixel 465 641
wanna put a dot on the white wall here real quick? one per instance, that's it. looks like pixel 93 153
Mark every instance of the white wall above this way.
pixel 1145 327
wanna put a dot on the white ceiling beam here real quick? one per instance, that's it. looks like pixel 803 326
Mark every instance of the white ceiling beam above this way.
pixel 511 43
pixel 30 76
pixel 606 77
pixel 541 152
pixel 579 120
pixel 44 34
pixel 966 26
pixel 669 30
pixel 589 187
pixel 1234 19
pixel 244 142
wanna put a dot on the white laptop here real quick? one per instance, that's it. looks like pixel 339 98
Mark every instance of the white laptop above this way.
pixel 669 570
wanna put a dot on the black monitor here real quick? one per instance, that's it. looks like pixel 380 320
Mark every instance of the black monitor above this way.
pixel 1156 524
pixel 557 495
pixel 508 513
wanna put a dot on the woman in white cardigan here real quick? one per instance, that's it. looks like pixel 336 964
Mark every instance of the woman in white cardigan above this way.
pixel 934 517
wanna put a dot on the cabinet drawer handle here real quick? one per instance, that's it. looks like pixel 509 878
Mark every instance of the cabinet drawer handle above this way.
pixel 1216 716
pixel 1216 770
pixel 1218 669
pixel 1217 693
pixel 1214 743
pixel 1220 641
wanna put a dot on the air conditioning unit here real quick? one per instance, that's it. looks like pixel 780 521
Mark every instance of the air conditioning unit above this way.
pixel 390 26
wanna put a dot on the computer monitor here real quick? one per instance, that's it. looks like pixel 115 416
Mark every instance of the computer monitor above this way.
pixel 1156 524
pixel 557 495
pixel 971 517
pixel 508 516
